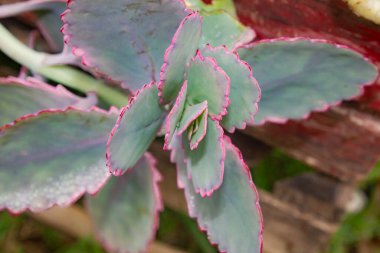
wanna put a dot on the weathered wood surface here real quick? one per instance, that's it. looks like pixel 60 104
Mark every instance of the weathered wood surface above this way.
pixel 321 19
pixel 343 142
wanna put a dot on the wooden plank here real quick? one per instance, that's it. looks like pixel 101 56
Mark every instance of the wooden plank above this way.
pixel 343 142
pixel 324 197
pixel 75 222
pixel 321 19
pixel 290 230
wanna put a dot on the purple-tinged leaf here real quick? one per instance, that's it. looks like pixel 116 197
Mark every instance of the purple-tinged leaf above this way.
pixel 244 93
pixel 207 81
pixel 174 116
pixel 220 28
pixel 232 215
pixel 205 165
pixel 125 211
pixel 131 48
pixel 298 76
pixel 135 130
pixel 13 9
pixel 52 158
pixel 178 55
pixel 49 23
pixel 21 97
pixel 198 131
pixel 190 114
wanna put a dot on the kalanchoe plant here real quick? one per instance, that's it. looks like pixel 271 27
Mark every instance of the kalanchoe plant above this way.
pixel 192 75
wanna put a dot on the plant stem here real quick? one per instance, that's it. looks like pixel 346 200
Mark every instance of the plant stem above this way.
pixel 65 75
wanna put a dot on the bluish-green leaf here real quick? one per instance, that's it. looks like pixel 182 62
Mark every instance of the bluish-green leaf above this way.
pixel 244 93
pixel 174 116
pixel 205 164
pixel 125 40
pixel 21 97
pixel 300 76
pixel 232 215
pixel 50 23
pixel 207 81
pixel 135 130
pixel 190 114
pixel 220 28
pixel 125 211
pixel 178 55
pixel 198 130
pixel 52 158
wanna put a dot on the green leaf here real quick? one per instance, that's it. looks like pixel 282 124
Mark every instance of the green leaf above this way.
pixel 131 47
pixel 21 97
pixel 232 215
pixel 178 55
pixel 135 130
pixel 49 23
pixel 207 81
pixel 190 114
pixel 298 76
pixel 175 116
pixel 52 158
pixel 205 164
pixel 198 130
pixel 125 211
pixel 220 28
pixel 245 91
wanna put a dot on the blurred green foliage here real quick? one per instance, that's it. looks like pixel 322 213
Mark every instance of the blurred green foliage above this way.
pixel 364 226
pixel 274 167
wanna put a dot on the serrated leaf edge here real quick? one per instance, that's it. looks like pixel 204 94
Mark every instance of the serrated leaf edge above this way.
pixel 118 171
pixel 159 206
pixel 248 68
pixel 327 106
pixel 79 194
pixel 213 188
pixel 167 54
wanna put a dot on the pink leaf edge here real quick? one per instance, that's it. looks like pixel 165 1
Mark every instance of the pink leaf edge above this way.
pixel 246 66
pixel 327 106
pixel 173 110
pixel 168 51
pixel 159 205
pixel 80 52
pixel 119 171
pixel 208 193
pixel 198 114
pixel 77 195
pixel 194 146
pixel 219 70
pixel 247 172
pixel 59 90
